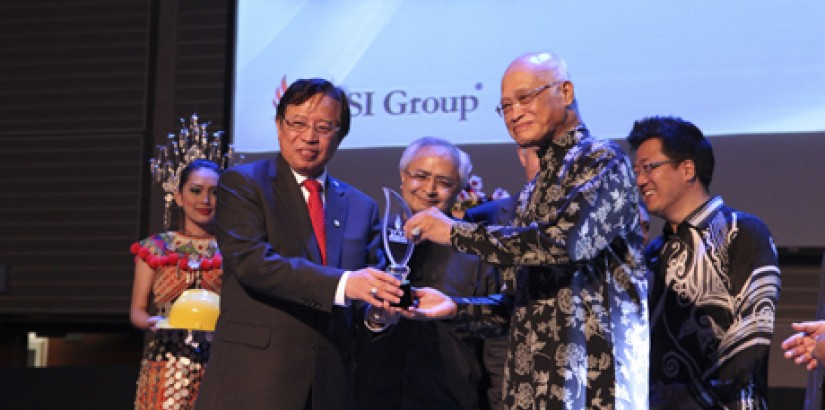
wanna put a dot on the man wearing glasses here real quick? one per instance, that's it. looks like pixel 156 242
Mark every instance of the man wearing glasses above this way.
pixel 430 365
pixel 295 243
pixel 714 278
pixel 571 260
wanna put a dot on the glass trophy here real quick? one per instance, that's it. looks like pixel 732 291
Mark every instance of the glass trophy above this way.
pixel 396 245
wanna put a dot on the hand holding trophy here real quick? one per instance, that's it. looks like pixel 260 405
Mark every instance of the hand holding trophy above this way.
pixel 398 250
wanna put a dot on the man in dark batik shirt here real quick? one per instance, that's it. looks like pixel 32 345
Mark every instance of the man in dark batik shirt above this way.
pixel 714 278
pixel 571 261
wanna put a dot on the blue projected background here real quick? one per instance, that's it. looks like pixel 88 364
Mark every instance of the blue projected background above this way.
pixel 432 67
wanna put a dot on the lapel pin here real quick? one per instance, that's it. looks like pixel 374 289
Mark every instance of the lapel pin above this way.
pixel 336 223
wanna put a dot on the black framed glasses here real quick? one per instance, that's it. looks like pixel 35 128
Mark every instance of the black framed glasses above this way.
pixel 506 107
pixel 322 128
pixel 646 169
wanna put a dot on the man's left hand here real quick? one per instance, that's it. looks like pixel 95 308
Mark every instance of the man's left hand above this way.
pixel 431 305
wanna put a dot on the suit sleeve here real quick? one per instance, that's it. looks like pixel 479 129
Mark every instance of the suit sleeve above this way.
pixel 269 265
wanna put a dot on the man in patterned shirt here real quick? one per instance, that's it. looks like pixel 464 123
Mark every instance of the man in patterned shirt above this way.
pixel 571 260
pixel 714 278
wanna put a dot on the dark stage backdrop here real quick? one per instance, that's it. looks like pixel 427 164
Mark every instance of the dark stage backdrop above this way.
pixel 87 88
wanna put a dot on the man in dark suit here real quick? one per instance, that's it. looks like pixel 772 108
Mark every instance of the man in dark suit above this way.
pixel 430 365
pixel 284 338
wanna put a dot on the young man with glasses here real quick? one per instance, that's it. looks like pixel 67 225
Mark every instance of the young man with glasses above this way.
pixel 714 280
pixel 575 286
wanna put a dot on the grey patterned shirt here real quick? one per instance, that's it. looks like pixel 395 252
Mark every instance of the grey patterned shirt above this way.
pixel 577 293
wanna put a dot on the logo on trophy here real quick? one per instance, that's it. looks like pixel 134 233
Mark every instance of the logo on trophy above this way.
pixel 398 248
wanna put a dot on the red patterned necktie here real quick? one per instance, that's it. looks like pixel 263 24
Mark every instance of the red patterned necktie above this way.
pixel 316 214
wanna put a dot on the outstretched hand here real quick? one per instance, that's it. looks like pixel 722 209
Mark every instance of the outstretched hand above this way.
pixel 806 348
pixel 430 224
pixel 431 305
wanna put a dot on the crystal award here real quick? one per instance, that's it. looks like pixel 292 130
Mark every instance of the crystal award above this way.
pixel 397 247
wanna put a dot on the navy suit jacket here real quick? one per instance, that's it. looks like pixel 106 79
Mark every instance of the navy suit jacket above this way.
pixel 498 212
pixel 279 337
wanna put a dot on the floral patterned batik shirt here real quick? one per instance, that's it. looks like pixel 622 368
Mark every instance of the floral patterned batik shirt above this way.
pixel 574 279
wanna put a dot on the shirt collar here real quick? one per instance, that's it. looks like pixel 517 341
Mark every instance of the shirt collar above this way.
pixel 300 178
pixel 701 216
pixel 572 137
pixel 565 141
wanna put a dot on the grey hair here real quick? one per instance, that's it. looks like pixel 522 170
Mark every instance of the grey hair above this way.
pixel 459 157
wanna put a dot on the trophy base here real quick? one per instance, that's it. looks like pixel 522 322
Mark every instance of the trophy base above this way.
pixel 407 297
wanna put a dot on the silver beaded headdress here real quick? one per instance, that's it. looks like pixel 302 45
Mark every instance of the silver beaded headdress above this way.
pixel 192 141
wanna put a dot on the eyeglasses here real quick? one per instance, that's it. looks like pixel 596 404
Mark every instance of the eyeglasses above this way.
pixel 646 169
pixel 423 177
pixel 506 107
pixel 322 128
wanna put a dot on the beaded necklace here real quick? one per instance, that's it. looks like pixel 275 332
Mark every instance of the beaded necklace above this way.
pixel 180 250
